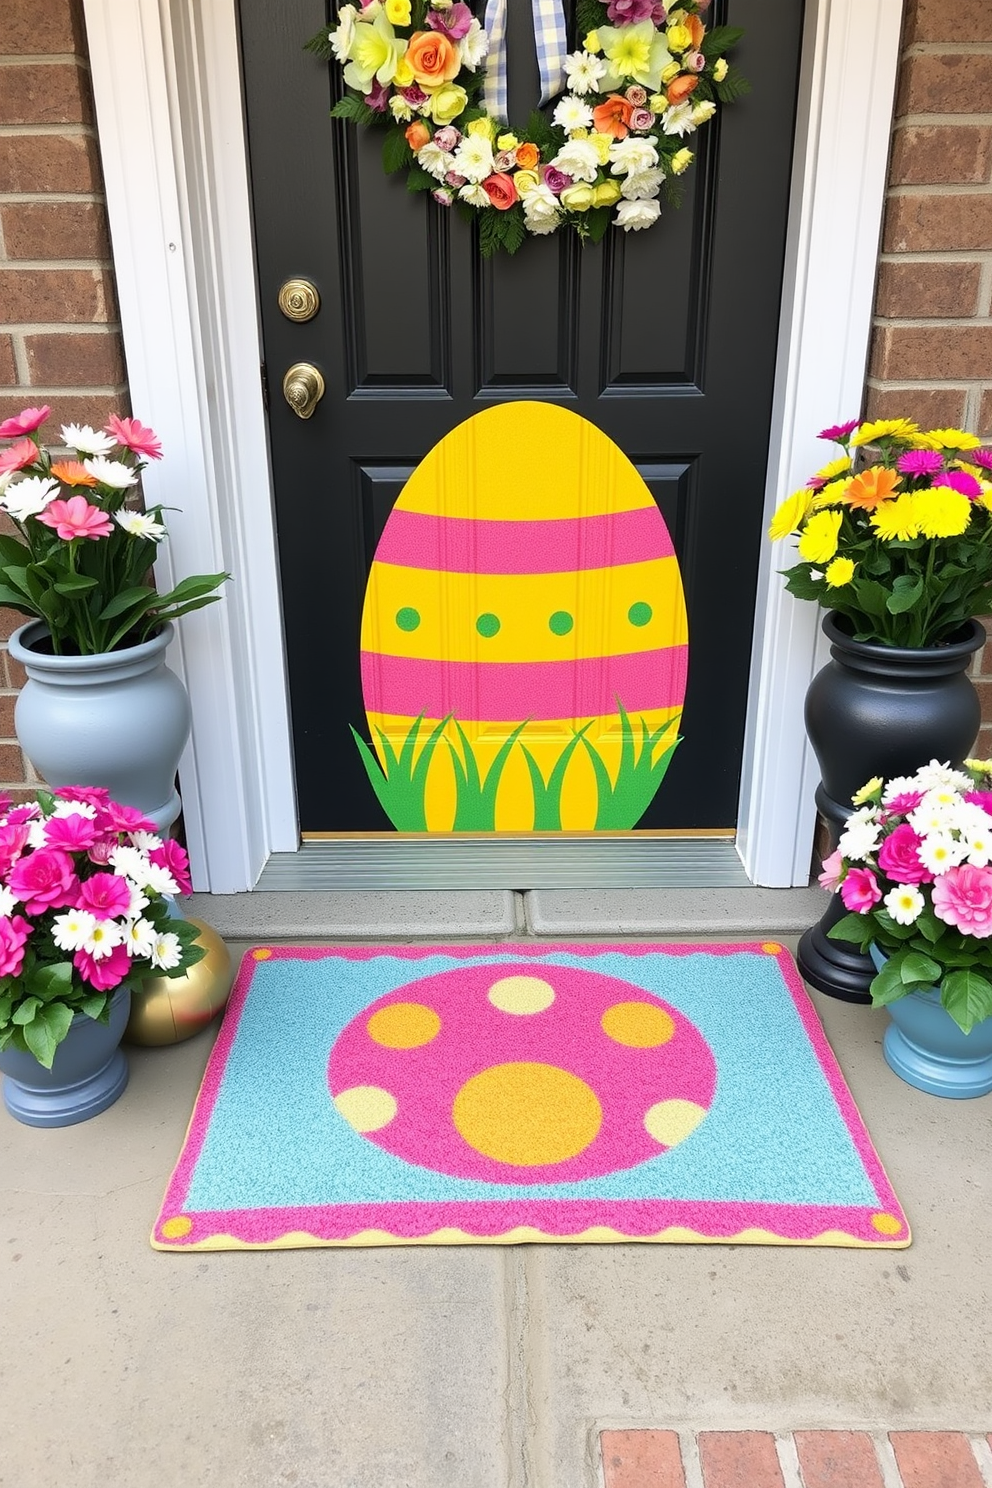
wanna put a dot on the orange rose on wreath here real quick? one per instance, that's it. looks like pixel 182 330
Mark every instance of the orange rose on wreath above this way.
pixel 433 57
pixel 613 116
pixel 527 155
pixel 417 135
pixel 680 88
pixel 500 190
pixel 697 31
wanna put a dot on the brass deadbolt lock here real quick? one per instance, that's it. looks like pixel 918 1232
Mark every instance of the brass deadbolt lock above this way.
pixel 299 300
pixel 303 388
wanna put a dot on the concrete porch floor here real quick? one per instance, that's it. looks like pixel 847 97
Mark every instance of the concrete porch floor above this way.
pixel 469 1367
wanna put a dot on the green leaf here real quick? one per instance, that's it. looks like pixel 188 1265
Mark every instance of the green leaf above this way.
pixel 735 85
pixel 51 981
pixel 94 1006
pixel 888 986
pixel 192 588
pixel 75 583
pixel 914 967
pixel 720 40
pixel 597 222
pixel 967 996
pixel 49 1028
pixel 419 180
pixel 855 928
pixel 135 601
pixel 589 15
pixel 320 45
pixel 907 592
pixel 23 1014
pixel 800 582
pixel 356 111
pixel 396 153
pixel 514 231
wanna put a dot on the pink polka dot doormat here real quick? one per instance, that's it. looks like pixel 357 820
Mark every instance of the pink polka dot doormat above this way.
pixel 444 1095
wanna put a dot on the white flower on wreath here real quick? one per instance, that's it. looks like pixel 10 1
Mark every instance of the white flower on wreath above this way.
pixel 642 185
pixel 27 497
pixel 678 120
pixel 633 215
pixel 473 46
pixel 400 109
pixel 474 195
pixel 632 155
pixel 584 72
pixel 541 211
pixel 474 158
pixel 342 38
pixel 572 114
pixel 435 161
pixel 578 159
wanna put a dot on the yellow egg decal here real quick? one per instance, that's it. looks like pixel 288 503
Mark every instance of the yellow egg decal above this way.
pixel 524 637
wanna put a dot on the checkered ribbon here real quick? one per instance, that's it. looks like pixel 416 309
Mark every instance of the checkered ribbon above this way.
pixel 550 41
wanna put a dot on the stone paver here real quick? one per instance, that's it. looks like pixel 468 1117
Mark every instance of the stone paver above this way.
pixel 838 1459
pixel 739 1459
pixel 935 1459
pixel 642 1459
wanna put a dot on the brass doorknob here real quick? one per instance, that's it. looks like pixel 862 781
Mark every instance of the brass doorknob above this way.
pixel 299 299
pixel 303 388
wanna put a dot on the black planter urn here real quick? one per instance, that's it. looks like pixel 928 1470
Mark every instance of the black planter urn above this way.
pixel 879 710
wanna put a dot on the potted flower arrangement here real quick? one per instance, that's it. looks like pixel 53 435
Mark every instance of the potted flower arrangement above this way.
pixel 914 869
pixel 85 917
pixel 100 706
pixel 895 540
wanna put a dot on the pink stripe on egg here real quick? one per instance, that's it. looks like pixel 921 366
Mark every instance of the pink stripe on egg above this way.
pixel 511 691
pixel 566 545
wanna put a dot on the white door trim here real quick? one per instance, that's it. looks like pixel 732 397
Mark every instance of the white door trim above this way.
pixel 169 111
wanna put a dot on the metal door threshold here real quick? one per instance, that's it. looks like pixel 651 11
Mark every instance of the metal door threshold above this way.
pixel 508 863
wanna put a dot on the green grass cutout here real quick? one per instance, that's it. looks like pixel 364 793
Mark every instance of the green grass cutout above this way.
pixel 475 809
pixel 624 801
pixel 401 788
pixel 547 795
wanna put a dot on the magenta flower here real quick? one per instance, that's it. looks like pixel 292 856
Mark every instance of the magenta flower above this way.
pixel 442 196
pixel 833 867
pixel 860 891
pixel 105 895
pixel 46 879
pixel 76 518
pixel 448 138
pixel 135 436
pixel 170 855
pixel 118 818
pixel 106 973
pixel 641 119
pixel 899 857
pixel 981 798
pixel 629 12
pixel 960 480
pixel 904 804
pixel 24 422
pixel 73 833
pixel 962 897
pixel 556 180
pixel 5 802
pixel 24 452
pixel 920 462
pixel 378 97
pixel 838 432
pixel 414 95
pixel 982 457
pixel 100 851
pixel 455 22
pixel 13 938
pixel 13 836
pixel 27 813
pixel 92 795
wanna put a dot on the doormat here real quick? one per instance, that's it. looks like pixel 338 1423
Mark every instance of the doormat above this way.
pixel 451 1095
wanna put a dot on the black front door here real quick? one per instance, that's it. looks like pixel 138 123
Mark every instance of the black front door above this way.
pixel 664 339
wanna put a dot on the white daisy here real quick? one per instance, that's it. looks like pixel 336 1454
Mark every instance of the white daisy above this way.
pixel 86 441
pixel 940 851
pixel 26 498
pixel 936 775
pixel 71 931
pixel 112 473
pixel 474 159
pixel 104 936
pixel 859 837
pixel 145 841
pixel 159 880
pixel 900 785
pixel 75 808
pixel 36 834
pixel 584 72
pixel 140 937
pixel 166 952
pixel 931 816
pixel 678 120
pixel 904 903
pixel 572 114
pixel 473 46
pixel 642 185
pixel 474 195
pixel 140 524
pixel 130 864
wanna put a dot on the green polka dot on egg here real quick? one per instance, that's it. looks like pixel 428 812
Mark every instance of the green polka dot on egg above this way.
pixel 560 623
pixel 407 618
pixel 487 625
pixel 640 613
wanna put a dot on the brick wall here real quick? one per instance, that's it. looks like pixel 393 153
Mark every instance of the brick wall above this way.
pixel 59 337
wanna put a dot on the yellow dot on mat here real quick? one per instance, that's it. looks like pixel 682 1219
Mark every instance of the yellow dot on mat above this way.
pixel 404 1025
pixel 262 953
pixel 638 1025
pixel 521 994
pixel 366 1107
pixel 527 1114
pixel 772 947
pixel 886 1224
pixel 175 1229
pixel 671 1121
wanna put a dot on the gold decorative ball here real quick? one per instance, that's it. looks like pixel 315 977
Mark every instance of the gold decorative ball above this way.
pixel 167 1010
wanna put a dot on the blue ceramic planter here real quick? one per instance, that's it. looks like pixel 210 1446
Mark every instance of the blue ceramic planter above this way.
pixel 88 1073
pixel 926 1048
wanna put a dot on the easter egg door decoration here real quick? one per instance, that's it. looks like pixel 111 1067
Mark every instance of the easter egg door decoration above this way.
pixel 524 635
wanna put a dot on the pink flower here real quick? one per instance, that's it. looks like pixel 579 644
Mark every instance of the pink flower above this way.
pixel 448 138
pixel 170 855
pixel 13 938
pixel 76 518
pixel 839 432
pixel 899 857
pixel 117 818
pixel 45 879
pixel 27 813
pixel 962 897
pixel 106 973
pixel 24 452
pixel 920 462
pixel 641 119
pixel 455 22
pixel 105 895
pixel 980 798
pixel 100 851
pixel 13 836
pixel 960 480
pixel 982 457
pixel 93 795
pixel 904 804
pixel 860 890
pixel 833 867
pixel 5 802
pixel 135 436
pixel 73 833
pixel 24 422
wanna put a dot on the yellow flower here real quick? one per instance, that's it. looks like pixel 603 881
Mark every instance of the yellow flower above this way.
pixel 947 439
pixel 836 467
pixel 398 12
pixel 896 519
pixel 872 788
pixel 606 193
pixel 592 43
pixel 818 543
pixel 681 160
pixel 839 572
pixel 447 102
pixel 525 181
pixel 375 53
pixel 790 515
pixel 720 69
pixel 404 74
pixel 636 54
pixel 485 127
pixel 671 71
pixel 941 511
pixel 679 38
pixel 884 429
pixel 657 103
pixel 981 767
pixel 831 494
pixel 507 142
pixel 986 498
pixel 578 198
pixel 601 144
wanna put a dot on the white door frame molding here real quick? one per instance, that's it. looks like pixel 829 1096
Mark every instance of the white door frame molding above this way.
pixel 170 117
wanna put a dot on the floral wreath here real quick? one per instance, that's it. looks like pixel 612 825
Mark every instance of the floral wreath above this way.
pixel 643 80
